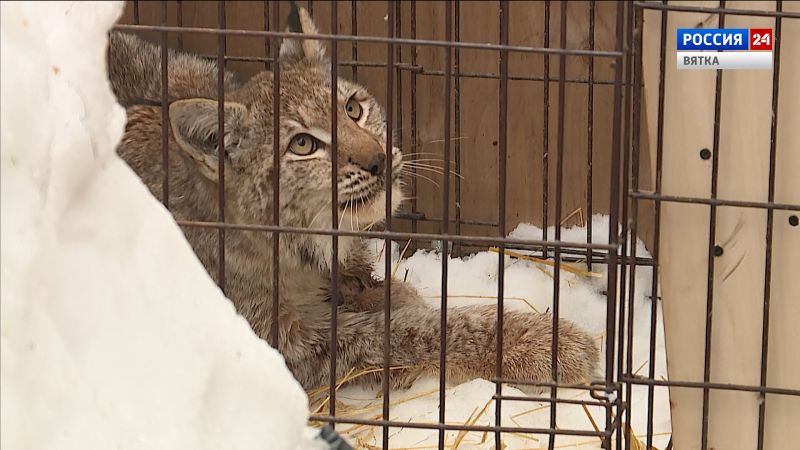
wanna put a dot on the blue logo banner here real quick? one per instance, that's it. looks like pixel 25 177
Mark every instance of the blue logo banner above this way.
pixel 713 39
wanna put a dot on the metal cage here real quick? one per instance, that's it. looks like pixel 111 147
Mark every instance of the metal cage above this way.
pixel 630 203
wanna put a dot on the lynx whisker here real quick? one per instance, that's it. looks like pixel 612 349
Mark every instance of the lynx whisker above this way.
pixel 421 153
pixel 343 214
pixel 408 173
pixel 435 141
pixel 435 169
pixel 317 215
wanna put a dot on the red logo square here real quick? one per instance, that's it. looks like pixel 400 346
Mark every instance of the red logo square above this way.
pixel 760 39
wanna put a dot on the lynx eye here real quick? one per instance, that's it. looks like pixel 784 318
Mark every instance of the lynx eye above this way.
pixel 354 109
pixel 303 145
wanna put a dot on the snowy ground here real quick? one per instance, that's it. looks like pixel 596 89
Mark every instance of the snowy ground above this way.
pixel 528 287
pixel 112 335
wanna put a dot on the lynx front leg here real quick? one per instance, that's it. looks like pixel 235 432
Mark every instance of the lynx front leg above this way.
pixel 360 292
pixel 471 337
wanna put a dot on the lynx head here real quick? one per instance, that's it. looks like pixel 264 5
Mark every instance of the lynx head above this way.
pixel 304 148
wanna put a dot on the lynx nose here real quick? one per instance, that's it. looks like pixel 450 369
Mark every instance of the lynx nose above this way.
pixel 376 164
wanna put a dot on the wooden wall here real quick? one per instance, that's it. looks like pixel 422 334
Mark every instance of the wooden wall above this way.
pixel 740 285
pixel 478 102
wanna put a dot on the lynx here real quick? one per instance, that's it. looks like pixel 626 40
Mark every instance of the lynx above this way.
pixel 304 317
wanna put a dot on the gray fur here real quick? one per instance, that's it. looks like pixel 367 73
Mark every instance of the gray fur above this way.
pixel 304 321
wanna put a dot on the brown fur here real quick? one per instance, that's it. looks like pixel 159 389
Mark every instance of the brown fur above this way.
pixel 304 319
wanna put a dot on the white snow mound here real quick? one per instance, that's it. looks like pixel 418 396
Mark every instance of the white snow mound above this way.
pixel 111 334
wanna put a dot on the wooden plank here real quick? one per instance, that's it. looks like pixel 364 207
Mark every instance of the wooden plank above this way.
pixel 738 286
pixel 784 359
pixel 689 107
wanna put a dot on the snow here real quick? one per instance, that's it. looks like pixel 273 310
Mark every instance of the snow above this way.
pixel 528 286
pixel 112 335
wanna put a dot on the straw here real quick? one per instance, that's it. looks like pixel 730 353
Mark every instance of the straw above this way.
pixel 564 266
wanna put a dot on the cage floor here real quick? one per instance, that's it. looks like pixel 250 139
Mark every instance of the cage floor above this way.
pixel 528 286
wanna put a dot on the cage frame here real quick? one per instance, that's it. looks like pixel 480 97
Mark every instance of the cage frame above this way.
pixel 625 196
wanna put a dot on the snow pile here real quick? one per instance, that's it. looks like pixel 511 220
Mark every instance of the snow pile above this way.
pixel 528 287
pixel 112 335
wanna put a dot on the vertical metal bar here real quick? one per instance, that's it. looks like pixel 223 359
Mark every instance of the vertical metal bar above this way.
pixel 387 311
pixel 635 45
pixel 501 219
pixel 627 174
pixel 623 435
pixel 776 70
pixel 310 8
pixel 164 108
pixel 657 221
pixel 626 167
pixel 457 119
pixel 562 74
pixel 590 137
pixel 179 8
pixel 444 223
pixel 614 199
pixel 334 210
pixel 276 170
pixel 136 12
pixel 354 32
pixel 712 236
pixel 221 139
pixel 415 146
pixel 266 40
pixel 399 74
pixel 545 126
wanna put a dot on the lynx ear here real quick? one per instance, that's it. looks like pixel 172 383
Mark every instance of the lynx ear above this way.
pixel 195 127
pixel 295 50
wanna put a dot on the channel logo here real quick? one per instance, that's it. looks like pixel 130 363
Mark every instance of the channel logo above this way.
pixel 724 48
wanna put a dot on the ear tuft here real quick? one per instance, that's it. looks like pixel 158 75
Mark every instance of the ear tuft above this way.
pixel 195 127
pixel 296 50
pixel 293 21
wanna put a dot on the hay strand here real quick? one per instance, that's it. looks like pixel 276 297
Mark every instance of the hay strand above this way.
pixel 564 266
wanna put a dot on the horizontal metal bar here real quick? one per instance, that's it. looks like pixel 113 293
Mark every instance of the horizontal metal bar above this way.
pixel 416 68
pixel 713 201
pixel 389 235
pixel 422 217
pixel 551 400
pixel 718 386
pixel 496 76
pixel 599 385
pixel 459 427
pixel 371 39
pixel 598 257
pixel 726 11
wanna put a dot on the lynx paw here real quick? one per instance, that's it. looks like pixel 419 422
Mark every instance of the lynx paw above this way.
pixel 371 299
pixel 529 340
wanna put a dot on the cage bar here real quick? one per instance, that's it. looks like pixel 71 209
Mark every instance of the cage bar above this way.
pixel 444 223
pixel 221 40
pixel 276 177
pixel 501 219
pixel 334 211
